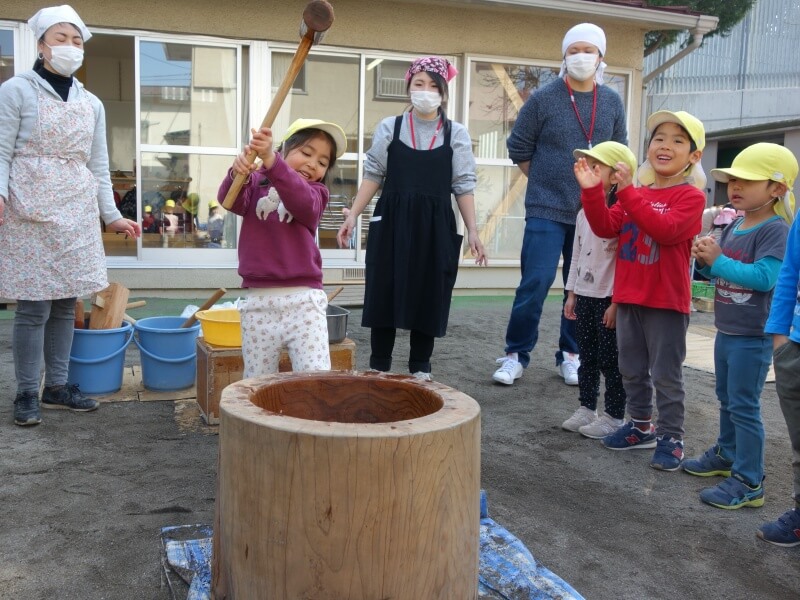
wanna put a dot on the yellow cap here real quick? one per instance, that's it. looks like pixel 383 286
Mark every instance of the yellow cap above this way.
pixel 689 122
pixel 765 162
pixel 148 209
pixel 213 204
pixel 610 153
pixel 332 129
pixel 170 204
pixel 191 203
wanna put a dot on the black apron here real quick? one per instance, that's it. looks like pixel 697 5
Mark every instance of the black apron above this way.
pixel 413 247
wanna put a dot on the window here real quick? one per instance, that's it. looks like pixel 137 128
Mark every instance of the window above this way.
pixel 6 54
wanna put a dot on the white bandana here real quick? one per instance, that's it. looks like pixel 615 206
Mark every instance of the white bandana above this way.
pixel 47 17
pixel 592 34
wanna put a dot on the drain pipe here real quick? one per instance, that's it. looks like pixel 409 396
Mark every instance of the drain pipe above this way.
pixel 697 39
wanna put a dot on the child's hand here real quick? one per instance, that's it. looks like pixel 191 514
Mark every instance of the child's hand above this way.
pixel 569 305
pixel 622 176
pixel 583 173
pixel 707 250
pixel 610 317
pixel 261 143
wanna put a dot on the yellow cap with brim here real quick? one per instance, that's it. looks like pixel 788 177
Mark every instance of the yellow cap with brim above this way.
pixel 148 209
pixel 170 204
pixel 609 153
pixel 191 203
pixel 213 204
pixel 765 162
pixel 332 129
pixel 694 175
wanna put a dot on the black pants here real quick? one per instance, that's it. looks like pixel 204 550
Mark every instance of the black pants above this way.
pixel 598 350
pixel 382 341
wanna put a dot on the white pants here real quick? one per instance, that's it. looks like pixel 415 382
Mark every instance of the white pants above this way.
pixel 296 320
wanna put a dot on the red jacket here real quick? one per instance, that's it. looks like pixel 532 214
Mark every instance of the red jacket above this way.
pixel 655 229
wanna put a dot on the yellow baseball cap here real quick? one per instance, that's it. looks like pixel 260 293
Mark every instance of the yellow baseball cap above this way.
pixel 170 204
pixel 765 162
pixel 609 153
pixel 148 209
pixel 191 203
pixel 332 129
pixel 694 174
pixel 213 204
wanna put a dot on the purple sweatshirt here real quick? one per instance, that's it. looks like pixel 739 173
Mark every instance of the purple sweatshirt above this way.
pixel 274 253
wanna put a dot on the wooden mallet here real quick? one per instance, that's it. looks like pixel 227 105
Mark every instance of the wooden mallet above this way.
pixel 317 19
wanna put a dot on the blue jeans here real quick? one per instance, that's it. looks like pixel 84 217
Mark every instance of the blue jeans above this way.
pixel 42 328
pixel 741 363
pixel 543 244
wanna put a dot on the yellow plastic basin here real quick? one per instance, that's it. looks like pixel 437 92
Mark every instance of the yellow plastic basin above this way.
pixel 221 327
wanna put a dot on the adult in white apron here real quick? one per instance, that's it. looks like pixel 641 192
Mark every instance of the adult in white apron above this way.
pixel 54 185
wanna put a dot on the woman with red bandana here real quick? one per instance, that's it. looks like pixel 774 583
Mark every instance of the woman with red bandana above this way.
pixel 420 158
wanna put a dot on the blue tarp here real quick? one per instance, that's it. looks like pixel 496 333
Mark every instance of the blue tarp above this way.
pixel 508 571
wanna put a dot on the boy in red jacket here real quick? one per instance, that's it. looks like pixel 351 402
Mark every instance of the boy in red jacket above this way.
pixel 655 224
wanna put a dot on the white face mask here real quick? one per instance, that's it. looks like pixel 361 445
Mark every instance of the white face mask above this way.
pixel 581 66
pixel 426 102
pixel 65 59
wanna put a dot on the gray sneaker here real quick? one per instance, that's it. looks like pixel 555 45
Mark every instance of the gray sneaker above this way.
pixel 26 409
pixel 68 397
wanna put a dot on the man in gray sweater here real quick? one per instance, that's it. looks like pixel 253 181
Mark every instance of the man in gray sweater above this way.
pixel 574 111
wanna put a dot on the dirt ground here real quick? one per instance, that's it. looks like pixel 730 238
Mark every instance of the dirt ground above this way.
pixel 84 496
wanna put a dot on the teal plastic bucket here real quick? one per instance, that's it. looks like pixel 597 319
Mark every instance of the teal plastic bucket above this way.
pixel 97 358
pixel 169 352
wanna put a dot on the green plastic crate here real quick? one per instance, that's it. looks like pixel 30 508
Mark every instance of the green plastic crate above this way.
pixel 702 289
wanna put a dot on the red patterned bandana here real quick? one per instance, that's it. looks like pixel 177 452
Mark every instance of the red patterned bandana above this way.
pixel 432 64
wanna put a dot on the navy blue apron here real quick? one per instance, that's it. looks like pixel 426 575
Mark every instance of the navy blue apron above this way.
pixel 413 247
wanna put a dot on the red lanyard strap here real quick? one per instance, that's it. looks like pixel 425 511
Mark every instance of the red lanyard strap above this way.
pixel 589 134
pixel 435 133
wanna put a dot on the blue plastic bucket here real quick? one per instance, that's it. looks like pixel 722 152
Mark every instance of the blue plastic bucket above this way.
pixel 97 358
pixel 169 352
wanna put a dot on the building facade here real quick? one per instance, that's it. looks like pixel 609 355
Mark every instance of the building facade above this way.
pixel 183 83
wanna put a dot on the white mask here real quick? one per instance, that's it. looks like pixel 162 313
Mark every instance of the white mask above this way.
pixel 65 59
pixel 426 102
pixel 581 66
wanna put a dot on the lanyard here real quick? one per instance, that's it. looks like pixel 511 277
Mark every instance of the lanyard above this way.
pixel 435 133
pixel 589 133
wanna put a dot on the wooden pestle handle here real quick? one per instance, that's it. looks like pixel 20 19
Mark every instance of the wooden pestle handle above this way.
pixel 208 304
pixel 335 293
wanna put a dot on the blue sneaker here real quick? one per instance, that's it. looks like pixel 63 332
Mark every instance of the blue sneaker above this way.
pixel 733 493
pixel 709 464
pixel 26 409
pixel 628 437
pixel 67 397
pixel 783 532
pixel 668 455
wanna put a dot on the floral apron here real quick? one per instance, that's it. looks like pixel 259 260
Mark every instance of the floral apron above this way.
pixel 50 244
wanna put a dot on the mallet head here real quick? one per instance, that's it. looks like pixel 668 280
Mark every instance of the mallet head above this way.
pixel 317 19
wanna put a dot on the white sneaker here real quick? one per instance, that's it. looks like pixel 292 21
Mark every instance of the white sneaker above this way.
pixel 422 376
pixel 582 416
pixel 601 427
pixel 510 370
pixel 569 368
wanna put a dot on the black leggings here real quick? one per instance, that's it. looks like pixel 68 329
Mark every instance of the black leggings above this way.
pixel 382 341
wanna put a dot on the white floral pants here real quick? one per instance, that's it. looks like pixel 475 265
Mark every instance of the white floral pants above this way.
pixel 297 321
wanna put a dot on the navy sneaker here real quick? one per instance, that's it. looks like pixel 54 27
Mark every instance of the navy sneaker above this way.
pixel 783 532
pixel 733 493
pixel 26 409
pixel 628 437
pixel 68 397
pixel 668 455
pixel 709 464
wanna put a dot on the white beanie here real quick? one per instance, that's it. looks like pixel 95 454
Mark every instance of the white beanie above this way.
pixel 589 33
pixel 47 17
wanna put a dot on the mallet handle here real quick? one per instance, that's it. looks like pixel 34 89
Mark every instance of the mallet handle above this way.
pixel 274 108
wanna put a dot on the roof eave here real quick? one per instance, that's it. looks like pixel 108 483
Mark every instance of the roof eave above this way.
pixel 648 18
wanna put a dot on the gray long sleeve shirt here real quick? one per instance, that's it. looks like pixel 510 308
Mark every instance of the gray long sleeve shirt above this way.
pixel 19 109
pixel 547 131
pixel 464 177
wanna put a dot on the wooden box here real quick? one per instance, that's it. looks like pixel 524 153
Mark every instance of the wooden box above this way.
pixel 219 366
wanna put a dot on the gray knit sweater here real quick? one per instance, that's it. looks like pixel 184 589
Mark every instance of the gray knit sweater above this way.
pixel 464 177
pixel 546 133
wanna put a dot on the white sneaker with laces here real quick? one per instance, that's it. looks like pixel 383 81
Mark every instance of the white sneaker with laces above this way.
pixel 510 370
pixel 422 376
pixel 601 427
pixel 582 416
pixel 569 368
